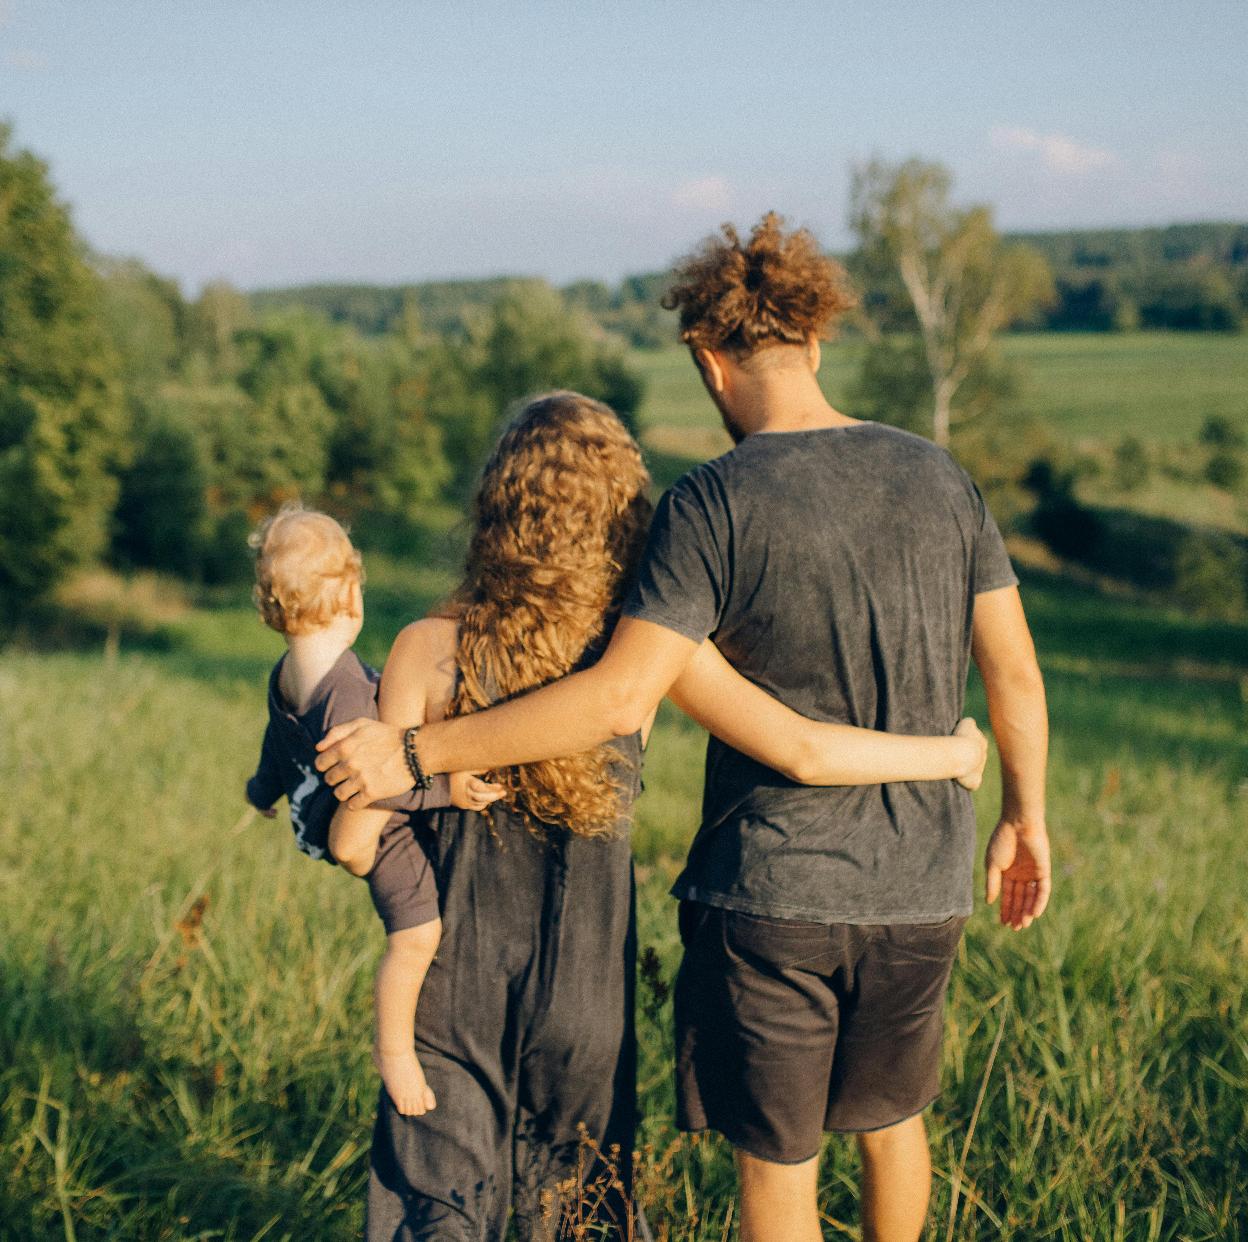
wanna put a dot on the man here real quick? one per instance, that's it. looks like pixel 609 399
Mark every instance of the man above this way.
pixel 848 568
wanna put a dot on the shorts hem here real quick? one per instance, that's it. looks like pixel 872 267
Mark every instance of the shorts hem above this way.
pixel 690 1128
pixel 884 1125
pixel 418 918
pixel 745 1147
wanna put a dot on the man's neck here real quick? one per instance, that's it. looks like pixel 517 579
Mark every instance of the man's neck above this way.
pixel 782 400
pixel 309 658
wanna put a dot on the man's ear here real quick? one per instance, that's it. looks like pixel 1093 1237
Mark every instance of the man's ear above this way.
pixel 712 370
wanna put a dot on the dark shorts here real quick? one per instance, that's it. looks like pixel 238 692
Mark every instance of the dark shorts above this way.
pixel 787 1029
pixel 402 884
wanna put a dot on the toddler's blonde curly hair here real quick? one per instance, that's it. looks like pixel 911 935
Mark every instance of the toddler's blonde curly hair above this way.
pixel 306 567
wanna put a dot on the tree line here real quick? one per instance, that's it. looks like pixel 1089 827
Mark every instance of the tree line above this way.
pixel 1184 277
pixel 149 430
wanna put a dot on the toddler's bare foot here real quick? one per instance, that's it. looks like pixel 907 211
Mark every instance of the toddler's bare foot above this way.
pixel 405 1081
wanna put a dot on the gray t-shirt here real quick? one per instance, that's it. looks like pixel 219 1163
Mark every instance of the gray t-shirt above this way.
pixel 837 569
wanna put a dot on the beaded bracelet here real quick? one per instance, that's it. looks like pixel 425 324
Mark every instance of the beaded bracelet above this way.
pixel 420 778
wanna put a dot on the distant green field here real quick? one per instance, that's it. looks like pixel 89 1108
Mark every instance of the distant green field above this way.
pixel 1154 385
pixel 171 1070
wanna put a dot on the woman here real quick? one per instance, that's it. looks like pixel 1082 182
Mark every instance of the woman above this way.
pixel 525 1022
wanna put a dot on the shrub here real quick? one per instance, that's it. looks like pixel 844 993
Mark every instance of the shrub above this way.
pixel 1067 526
pixel 1221 432
pixel 1226 469
pixel 1211 574
pixel 1131 465
pixel 1203 570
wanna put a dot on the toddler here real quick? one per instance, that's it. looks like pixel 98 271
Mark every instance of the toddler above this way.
pixel 309 581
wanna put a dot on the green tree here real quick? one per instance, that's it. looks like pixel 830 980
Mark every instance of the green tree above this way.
pixel 279 449
pixel 1091 304
pixel 1220 432
pixel 204 469
pixel 893 384
pixel 385 449
pixel 961 284
pixel 61 416
pixel 1195 296
pixel 1227 466
pixel 527 342
pixel 1227 469
pixel 214 323
pixel 146 320
pixel 162 520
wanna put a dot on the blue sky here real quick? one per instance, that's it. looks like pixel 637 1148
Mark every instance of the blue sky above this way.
pixel 278 142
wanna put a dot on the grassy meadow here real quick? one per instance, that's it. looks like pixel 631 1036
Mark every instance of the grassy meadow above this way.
pixel 1156 385
pixel 184 999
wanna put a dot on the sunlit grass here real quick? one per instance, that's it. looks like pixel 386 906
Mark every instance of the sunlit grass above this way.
pixel 184 1007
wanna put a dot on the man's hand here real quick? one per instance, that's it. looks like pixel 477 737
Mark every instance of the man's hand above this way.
pixel 973 777
pixel 470 793
pixel 364 762
pixel 1018 869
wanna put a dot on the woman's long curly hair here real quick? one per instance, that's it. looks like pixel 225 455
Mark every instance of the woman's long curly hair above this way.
pixel 561 514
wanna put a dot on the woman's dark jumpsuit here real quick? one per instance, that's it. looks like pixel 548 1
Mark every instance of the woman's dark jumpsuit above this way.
pixel 525 1031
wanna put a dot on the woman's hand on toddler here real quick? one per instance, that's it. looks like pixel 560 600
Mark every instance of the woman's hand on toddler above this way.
pixel 470 793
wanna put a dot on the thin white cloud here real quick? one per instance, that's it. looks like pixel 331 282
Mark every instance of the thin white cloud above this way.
pixel 1058 153
pixel 709 194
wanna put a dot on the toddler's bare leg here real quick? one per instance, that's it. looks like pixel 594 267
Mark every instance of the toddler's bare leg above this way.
pixel 399 979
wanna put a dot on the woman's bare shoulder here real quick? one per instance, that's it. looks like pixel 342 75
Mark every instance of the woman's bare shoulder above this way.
pixel 430 639
pixel 421 668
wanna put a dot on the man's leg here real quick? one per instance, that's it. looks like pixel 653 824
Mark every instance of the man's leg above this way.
pixel 756 1019
pixel 888 1067
pixel 896 1181
pixel 778 1200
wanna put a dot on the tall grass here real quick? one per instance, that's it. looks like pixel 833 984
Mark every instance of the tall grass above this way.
pixel 184 1008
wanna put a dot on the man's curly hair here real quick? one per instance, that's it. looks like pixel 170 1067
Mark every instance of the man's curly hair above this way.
pixel 776 289
pixel 561 515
